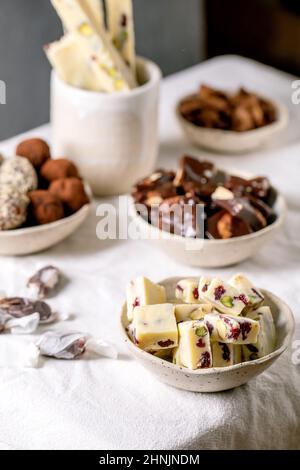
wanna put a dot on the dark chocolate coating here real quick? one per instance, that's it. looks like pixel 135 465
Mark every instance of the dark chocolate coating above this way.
pixel 71 192
pixel 57 169
pixel 44 207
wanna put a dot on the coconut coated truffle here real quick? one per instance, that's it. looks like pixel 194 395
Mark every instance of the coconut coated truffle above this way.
pixel 13 207
pixel 18 173
pixel 44 207
pixel 71 192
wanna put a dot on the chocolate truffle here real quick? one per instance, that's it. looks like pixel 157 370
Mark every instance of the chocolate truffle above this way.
pixel 44 207
pixel 56 169
pixel 18 173
pixel 71 192
pixel 13 207
pixel 35 150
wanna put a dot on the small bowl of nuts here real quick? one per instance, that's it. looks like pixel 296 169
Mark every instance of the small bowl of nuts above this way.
pixel 230 122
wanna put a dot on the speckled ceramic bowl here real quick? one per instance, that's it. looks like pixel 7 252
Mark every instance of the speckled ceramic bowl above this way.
pixel 27 240
pixel 217 378
pixel 233 142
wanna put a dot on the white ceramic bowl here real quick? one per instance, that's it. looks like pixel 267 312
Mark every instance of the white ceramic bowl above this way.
pixel 211 253
pixel 223 141
pixel 27 240
pixel 217 378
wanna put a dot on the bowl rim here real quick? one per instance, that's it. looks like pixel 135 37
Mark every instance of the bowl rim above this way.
pixel 14 233
pixel 212 370
pixel 281 121
pixel 280 201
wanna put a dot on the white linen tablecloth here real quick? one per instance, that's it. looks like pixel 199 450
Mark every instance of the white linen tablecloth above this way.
pixel 107 404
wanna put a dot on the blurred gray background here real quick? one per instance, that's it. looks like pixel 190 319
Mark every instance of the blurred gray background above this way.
pixel 171 32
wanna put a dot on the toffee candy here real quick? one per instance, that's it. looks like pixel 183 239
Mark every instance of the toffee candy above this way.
pixel 226 354
pixel 19 173
pixel 71 192
pixel 225 298
pixel 45 207
pixel 194 351
pixel 141 292
pixel 155 327
pixel 35 150
pixel 44 281
pixel 13 207
pixel 231 329
pixel 57 169
pixel 187 291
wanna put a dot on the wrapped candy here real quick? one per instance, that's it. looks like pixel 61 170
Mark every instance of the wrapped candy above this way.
pixel 42 283
pixel 18 307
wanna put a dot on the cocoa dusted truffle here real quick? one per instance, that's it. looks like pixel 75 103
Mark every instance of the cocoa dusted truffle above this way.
pixel 59 168
pixel 35 150
pixel 71 192
pixel 44 207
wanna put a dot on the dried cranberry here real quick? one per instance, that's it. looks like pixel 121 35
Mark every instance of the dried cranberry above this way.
pixel 225 351
pixel 123 21
pixel 252 348
pixel 209 327
pixel 196 293
pixel 219 292
pixel 205 360
pixel 178 287
pixel 200 343
pixel 204 288
pixel 245 329
pixel 242 298
pixel 234 333
pixel 136 302
pixel 165 344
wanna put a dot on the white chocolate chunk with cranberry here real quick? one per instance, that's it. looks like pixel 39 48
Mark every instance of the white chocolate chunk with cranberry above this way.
pixel 187 291
pixel 226 354
pixel 194 351
pixel 106 62
pixel 121 28
pixel 244 286
pixel 231 329
pixel 185 312
pixel 225 298
pixel 204 282
pixel 142 291
pixel 266 339
pixel 94 10
pixel 155 327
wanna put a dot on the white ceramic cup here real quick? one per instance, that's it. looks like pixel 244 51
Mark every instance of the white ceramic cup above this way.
pixel 113 138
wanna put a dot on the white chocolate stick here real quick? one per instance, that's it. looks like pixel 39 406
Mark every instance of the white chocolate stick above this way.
pixel 121 28
pixel 106 61
pixel 94 9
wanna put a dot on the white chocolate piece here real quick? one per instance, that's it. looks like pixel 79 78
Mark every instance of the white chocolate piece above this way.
pixel 226 354
pixel 224 297
pixel 203 285
pixel 141 292
pixel 72 64
pixel 222 193
pixel 194 351
pixel 266 339
pixel 121 28
pixel 187 291
pixel 185 312
pixel 106 61
pixel 94 10
pixel 231 329
pixel 18 173
pixel 244 286
pixel 154 327
pixel 165 354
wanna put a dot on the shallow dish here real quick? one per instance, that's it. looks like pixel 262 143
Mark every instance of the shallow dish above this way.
pixel 211 253
pixel 231 141
pixel 214 379
pixel 27 240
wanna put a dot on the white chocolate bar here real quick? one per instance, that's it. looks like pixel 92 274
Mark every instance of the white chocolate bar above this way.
pixel 106 61
pixel 226 354
pixel 68 57
pixel 155 327
pixel 187 291
pixel 244 286
pixel 121 28
pixel 194 351
pixel 141 292
pixel 224 297
pixel 231 329
pixel 266 339
pixel 185 312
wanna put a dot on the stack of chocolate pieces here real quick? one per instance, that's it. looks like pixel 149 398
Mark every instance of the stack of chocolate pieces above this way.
pixel 216 205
